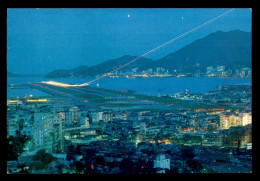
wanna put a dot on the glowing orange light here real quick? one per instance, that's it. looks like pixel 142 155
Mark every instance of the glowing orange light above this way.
pixel 37 100
pixel 14 101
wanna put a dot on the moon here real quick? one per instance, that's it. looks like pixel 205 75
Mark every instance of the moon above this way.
pixel 128 15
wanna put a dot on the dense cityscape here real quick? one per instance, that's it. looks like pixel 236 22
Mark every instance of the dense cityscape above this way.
pixel 129 91
pixel 218 71
pixel 59 137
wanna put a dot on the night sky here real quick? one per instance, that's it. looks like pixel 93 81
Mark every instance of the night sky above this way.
pixel 41 40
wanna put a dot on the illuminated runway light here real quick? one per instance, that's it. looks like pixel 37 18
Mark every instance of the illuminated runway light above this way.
pixel 60 84
pixel 37 100
pixel 13 100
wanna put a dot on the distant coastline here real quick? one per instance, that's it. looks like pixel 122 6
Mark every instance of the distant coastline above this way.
pixel 213 55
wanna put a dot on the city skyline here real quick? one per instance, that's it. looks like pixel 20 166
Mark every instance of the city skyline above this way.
pixel 129 91
pixel 38 40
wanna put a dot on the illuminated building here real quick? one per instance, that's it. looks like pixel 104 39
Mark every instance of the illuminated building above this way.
pixel 44 129
pixel 107 116
pixel 228 120
pixel 221 68
pixel 47 132
pixel 71 117
pixel 246 118
pixel 96 116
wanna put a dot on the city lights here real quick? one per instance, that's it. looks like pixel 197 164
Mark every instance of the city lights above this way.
pixel 189 111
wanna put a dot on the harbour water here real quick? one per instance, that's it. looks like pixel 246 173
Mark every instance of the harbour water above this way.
pixel 147 86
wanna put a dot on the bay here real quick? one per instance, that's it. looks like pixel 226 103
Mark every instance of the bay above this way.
pixel 147 86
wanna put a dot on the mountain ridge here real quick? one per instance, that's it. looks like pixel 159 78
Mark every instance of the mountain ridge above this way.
pixel 231 49
pixel 102 68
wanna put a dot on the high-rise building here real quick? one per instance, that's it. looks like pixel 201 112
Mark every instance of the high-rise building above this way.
pixel 228 120
pixel 96 116
pixel 43 128
pixel 71 116
pixel 246 118
pixel 47 129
